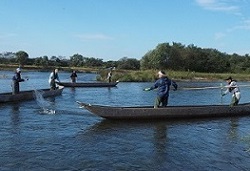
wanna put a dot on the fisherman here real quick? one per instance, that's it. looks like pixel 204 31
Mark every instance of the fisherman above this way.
pixel 234 89
pixel 109 78
pixel 163 84
pixel 52 79
pixel 73 76
pixel 15 81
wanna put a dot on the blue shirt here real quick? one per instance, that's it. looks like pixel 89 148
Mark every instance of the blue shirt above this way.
pixel 17 78
pixel 163 84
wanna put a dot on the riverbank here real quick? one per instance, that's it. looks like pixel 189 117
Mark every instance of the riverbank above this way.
pixel 139 75
pixel 151 75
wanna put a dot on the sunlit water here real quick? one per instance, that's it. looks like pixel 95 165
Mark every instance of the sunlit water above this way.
pixel 32 138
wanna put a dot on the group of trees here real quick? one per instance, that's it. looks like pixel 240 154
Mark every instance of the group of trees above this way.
pixel 20 57
pixel 192 58
pixel 76 60
pixel 164 56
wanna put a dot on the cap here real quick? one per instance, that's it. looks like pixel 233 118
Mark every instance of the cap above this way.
pixel 18 70
pixel 161 73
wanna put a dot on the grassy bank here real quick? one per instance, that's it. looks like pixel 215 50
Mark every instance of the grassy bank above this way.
pixel 139 76
pixel 151 75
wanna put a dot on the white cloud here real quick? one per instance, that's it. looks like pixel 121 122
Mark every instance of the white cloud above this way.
pixel 219 36
pixel 244 26
pixel 218 5
pixel 85 37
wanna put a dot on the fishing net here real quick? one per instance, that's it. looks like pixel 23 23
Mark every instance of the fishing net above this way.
pixel 44 104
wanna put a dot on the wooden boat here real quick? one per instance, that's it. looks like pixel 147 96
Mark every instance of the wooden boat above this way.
pixel 88 84
pixel 29 95
pixel 170 112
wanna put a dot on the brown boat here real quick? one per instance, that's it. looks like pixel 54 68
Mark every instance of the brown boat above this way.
pixel 88 84
pixel 29 95
pixel 170 112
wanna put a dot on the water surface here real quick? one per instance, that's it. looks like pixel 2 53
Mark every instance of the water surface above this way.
pixel 74 139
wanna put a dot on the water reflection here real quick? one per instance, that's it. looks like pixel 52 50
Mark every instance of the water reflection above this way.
pixel 233 131
pixel 160 137
pixel 15 118
pixel 72 90
pixel 160 143
pixel 104 126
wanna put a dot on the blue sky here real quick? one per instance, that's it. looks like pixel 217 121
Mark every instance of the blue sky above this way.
pixel 112 29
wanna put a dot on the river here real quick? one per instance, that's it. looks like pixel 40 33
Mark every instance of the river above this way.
pixel 74 139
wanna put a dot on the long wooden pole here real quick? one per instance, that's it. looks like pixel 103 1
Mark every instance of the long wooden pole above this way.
pixel 216 87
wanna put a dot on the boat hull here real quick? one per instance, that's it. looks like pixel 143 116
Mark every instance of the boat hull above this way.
pixel 171 112
pixel 88 84
pixel 28 95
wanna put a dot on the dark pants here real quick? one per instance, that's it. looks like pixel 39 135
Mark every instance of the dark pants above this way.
pixel 234 101
pixel 73 79
pixel 53 84
pixel 161 101
pixel 15 87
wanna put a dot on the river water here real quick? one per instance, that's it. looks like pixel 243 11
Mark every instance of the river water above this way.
pixel 74 139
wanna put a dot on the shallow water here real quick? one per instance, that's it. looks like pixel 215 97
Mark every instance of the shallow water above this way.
pixel 74 139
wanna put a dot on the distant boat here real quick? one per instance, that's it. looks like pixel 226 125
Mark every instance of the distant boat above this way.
pixel 170 112
pixel 28 95
pixel 88 84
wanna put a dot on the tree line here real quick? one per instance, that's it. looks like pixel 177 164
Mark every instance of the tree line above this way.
pixel 192 58
pixel 165 56
pixel 77 60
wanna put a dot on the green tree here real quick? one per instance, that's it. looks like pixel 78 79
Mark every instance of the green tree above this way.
pixel 93 62
pixel 145 61
pixel 128 63
pixel 76 60
pixel 110 64
pixel 22 57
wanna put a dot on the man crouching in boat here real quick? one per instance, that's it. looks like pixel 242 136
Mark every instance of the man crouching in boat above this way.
pixel 234 89
pixel 15 81
pixel 163 84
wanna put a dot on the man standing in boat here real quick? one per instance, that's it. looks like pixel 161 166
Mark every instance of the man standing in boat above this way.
pixel 15 81
pixel 52 79
pixel 109 78
pixel 234 89
pixel 163 84
pixel 73 76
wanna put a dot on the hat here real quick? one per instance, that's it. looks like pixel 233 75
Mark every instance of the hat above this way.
pixel 18 69
pixel 229 78
pixel 161 73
